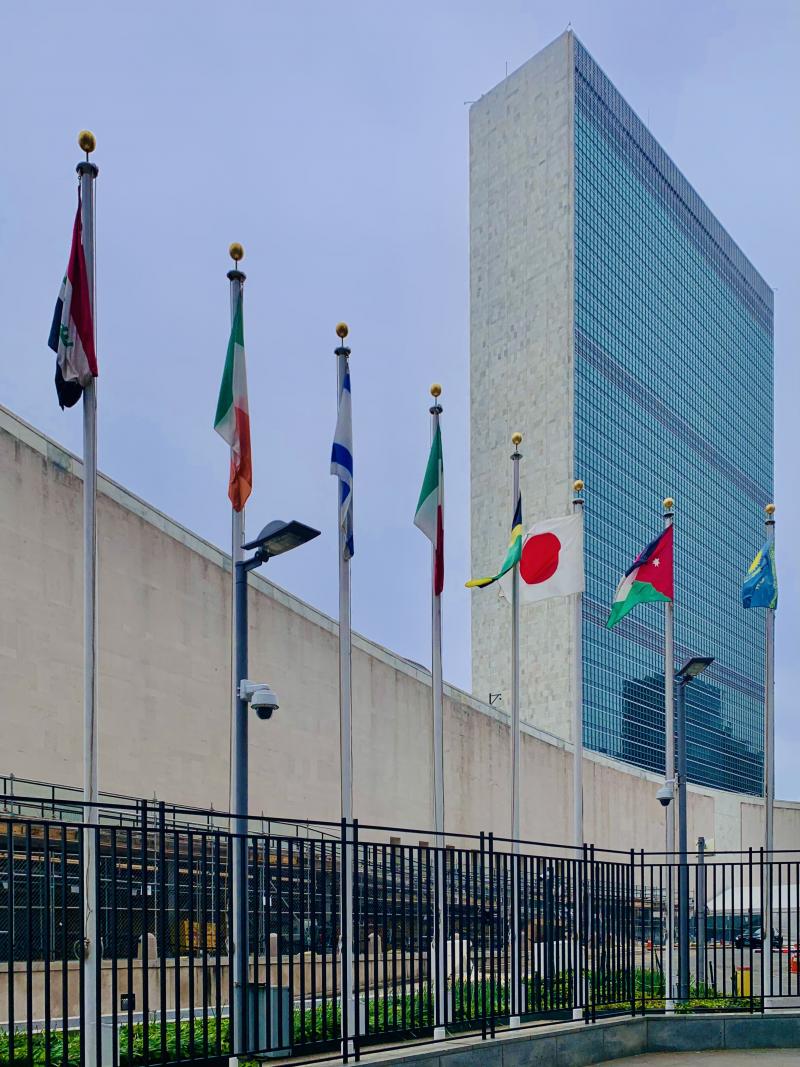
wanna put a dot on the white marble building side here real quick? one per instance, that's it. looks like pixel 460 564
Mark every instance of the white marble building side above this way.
pixel 521 245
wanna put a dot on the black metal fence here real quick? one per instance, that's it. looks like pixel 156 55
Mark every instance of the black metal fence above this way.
pixel 533 932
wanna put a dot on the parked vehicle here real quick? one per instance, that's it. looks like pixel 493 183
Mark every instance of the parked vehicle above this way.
pixel 755 939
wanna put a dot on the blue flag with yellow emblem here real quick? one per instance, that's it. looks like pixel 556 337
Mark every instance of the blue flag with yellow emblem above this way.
pixel 760 588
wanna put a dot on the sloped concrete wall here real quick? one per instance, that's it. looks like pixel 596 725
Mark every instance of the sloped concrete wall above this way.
pixel 164 688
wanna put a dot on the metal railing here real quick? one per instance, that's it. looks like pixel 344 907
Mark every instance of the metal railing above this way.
pixel 592 937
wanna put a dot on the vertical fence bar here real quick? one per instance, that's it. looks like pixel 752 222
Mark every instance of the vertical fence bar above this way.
pixel 131 938
pixel 12 1023
pixel 98 952
pixel 114 953
pixel 345 955
pixel 190 947
pixel 631 929
pixel 161 890
pixel 175 936
pixel 64 954
pixel 355 949
pixel 593 903
pixel 750 912
pixel 80 947
pixel 492 937
pixel 46 949
pixel 145 954
pixel 28 941
pixel 217 905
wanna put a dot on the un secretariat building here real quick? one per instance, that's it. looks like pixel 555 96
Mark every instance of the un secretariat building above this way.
pixel 617 325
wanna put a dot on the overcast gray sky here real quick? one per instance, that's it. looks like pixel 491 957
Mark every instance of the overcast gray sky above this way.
pixel 331 139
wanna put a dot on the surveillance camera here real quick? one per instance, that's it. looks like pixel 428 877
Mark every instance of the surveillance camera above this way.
pixel 664 795
pixel 260 696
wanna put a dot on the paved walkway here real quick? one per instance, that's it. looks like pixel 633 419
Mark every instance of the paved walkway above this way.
pixel 789 1057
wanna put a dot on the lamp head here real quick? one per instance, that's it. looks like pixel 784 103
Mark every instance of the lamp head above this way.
pixel 694 667
pixel 278 537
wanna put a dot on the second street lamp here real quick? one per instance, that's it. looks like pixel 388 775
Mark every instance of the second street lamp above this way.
pixel 688 672
pixel 276 538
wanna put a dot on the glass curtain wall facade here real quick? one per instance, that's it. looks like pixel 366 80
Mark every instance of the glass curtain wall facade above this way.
pixel 673 333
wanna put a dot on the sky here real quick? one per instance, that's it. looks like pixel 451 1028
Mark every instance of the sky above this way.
pixel 331 139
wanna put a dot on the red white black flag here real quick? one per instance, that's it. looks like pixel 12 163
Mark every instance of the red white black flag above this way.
pixel 72 331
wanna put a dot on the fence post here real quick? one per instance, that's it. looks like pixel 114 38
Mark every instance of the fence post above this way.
pixel 354 926
pixel 592 917
pixel 700 913
pixel 582 975
pixel 438 977
pixel 632 930
pixel 346 941
pixel 482 899
pixel 493 991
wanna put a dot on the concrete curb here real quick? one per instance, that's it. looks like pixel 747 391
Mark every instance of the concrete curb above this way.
pixel 579 1045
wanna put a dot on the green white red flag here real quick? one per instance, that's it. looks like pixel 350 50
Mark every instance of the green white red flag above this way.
pixel 232 421
pixel 430 509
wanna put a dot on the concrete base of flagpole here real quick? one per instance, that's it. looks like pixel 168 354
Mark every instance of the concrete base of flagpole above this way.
pixel 669 1006
pixel 439 1033
pixel 514 1022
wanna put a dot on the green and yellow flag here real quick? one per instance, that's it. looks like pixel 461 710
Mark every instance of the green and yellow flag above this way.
pixel 512 555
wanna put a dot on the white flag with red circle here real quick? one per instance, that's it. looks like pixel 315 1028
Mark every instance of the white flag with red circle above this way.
pixel 551 563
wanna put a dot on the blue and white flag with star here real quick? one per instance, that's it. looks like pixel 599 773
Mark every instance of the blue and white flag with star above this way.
pixel 342 463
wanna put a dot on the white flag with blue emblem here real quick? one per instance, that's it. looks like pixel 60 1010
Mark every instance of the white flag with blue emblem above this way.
pixel 342 463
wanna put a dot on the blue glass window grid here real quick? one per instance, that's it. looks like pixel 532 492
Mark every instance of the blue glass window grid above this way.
pixel 673 394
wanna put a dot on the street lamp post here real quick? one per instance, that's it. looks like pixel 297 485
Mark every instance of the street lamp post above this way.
pixel 690 670
pixel 276 538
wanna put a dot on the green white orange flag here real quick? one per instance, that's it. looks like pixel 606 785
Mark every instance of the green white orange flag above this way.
pixel 430 509
pixel 649 578
pixel 232 421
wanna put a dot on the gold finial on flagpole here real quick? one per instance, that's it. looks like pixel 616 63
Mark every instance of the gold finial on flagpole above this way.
pixel 87 141
pixel 516 438
pixel 342 330
pixel 669 503
pixel 436 389
pixel 770 510
pixel 577 485
pixel 236 251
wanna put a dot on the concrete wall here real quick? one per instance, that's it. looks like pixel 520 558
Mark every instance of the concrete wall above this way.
pixel 521 261
pixel 164 688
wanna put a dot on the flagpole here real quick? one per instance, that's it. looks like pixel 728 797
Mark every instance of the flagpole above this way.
pixel 88 173
pixel 769 744
pixel 440 943
pixel 577 687
pixel 239 783
pixel 342 353
pixel 515 1008
pixel 577 740
pixel 669 767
